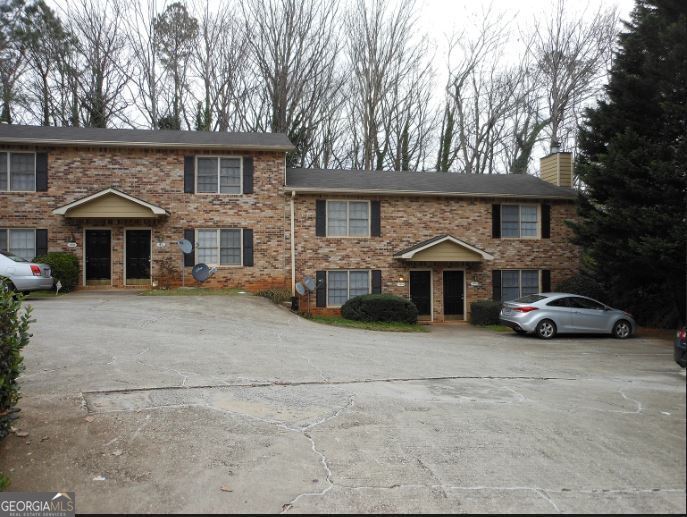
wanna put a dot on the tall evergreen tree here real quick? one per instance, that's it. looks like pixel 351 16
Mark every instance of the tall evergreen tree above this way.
pixel 633 162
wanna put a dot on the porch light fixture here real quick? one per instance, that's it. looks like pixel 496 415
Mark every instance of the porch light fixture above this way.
pixel 401 279
pixel 71 242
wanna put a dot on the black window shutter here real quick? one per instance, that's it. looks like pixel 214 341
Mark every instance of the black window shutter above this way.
pixel 546 280
pixel 496 285
pixel 247 247
pixel 41 172
pixel 496 221
pixel 41 242
pixel 546 221
pixel 190 258
pixel 189 174
pixel 376 281
pixel 247 174
pixel 321 218
pixel 321 283
pixel 375 219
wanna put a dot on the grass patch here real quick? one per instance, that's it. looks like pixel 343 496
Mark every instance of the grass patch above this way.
pixel 193 291
pixel 391 326
pixel 39 295
pixel 4 482
pixel 495 328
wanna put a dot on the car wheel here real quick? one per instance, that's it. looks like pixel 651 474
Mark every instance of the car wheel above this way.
pixel 622 329
pixel 546 329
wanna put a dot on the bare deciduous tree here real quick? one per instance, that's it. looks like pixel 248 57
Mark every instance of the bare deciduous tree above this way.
pixel 384 59
pixel 12 54
pixel 103 62
pixel 572 54
pixel 294 46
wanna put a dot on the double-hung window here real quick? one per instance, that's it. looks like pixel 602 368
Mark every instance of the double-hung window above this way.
pixel 218 175
pixel 518 221
pixel 20 242
pixel 348 218
pixel 17 172
pixel 343 285
pixel 516 283
pixel 219 247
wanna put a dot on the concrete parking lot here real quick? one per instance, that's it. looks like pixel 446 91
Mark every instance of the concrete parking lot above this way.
pixel 229 404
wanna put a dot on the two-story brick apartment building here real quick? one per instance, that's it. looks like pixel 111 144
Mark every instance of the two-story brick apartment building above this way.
pixel 120 199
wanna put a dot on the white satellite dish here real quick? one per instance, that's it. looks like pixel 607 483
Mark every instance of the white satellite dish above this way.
pixel 185 246
pixel 201 272
pixel 309 283
pixel 300 288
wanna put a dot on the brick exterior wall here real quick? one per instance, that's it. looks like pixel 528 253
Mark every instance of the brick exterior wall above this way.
pixel 157 176
pixel 405 221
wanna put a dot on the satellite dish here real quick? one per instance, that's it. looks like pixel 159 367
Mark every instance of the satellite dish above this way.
pixel 185 246
pixel 201 272
pixel 309 283
pixel 300 289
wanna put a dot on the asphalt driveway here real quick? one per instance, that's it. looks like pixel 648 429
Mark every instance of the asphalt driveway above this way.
pixel 229 404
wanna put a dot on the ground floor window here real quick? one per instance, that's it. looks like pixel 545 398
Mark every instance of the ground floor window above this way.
pixel 20 242
pixel 342 285
pixel 219 247
pixel 516 283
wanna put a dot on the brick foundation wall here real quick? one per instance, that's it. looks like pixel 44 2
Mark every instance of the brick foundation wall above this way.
pixel 406 221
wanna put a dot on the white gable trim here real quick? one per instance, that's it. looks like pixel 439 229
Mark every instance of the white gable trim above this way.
pixel 153 208
pixel 410 254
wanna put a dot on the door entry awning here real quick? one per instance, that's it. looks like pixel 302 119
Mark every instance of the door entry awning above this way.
pixel 110 204
pixel 443 248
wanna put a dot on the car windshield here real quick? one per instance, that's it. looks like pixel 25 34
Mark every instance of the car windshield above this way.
pixel 14 257
pixel 530 298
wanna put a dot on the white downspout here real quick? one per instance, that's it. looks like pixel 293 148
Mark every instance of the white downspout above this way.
pixel 293 245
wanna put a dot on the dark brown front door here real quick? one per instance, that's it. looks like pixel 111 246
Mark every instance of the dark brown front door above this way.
pixel 98 257
pixel 421 291
pixel 137 257
pixel 453 293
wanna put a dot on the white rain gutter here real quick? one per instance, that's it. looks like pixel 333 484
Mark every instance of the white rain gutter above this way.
pixel 293 244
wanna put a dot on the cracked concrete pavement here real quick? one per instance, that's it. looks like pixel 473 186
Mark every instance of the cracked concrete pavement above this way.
pixel 229 404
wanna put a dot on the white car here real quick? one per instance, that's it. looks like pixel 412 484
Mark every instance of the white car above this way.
pixel 22 275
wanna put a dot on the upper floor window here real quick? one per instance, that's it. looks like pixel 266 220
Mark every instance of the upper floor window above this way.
pixel 20 242
pixel 519 221
pixel 220 246
pixel 348 218
pixel 219 175
pixel 18 172
pixel 342 285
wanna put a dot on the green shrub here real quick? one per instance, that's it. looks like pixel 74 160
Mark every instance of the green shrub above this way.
pixel 14 335
pixel 584 285
pixel 380 307
pixel 65 268
pixel 277 295
pixel 485 312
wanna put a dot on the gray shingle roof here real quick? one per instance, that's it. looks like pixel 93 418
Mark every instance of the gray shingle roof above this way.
pixel 43 135
pixel 423 183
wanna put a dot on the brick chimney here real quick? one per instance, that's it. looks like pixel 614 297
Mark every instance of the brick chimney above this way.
pixel 557 167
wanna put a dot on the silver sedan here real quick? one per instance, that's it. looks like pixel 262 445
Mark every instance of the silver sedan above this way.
pixel 22 275
pixel 548 314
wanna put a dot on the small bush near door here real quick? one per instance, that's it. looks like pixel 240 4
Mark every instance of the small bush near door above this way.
pixel 14 335
pixel 485 312
pixel 64 267
pixel 380 307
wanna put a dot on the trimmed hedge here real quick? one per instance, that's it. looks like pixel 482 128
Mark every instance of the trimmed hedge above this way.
pixel 65 268
pixel 380 307
pixel 14 335
pixel 583 285
pixel 277 295
pixel 485 312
